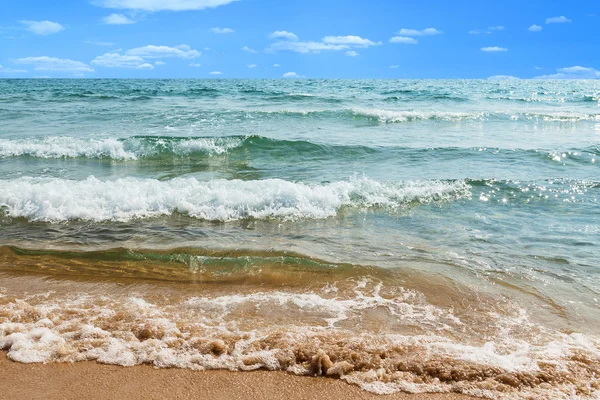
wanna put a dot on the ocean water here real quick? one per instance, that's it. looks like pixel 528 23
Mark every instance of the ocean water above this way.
pixel 417 235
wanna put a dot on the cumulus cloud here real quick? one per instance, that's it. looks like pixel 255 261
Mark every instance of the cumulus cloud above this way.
pixel 283 35
pixel 415 32
pixel 248 49
pixel 152 51
pixel 332 43
pixel 42 27
pixel 99 43
pixel 196 65
pixel 276 65
pixel 503 78
pixel 403 40
pixel 304 47
pixel 45 63
pixel 251 65
pixel 216 73
pixel 487 31
pixel 558 20
pixel 576 72
pixel 162 5
pixel 117 19
pixel 350 40
pixel 535 28
pixel 291 75
pixel 139 57
pixel 494 49
pixel 115 60
pixel 222 30
pixel 11 70
pixel 352 53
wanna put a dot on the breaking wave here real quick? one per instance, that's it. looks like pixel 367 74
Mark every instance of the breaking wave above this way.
pixel 53 200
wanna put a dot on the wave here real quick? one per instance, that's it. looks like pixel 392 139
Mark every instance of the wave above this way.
pixel 164 147
pixel 132 148
pixel 386 116
pixel 55 200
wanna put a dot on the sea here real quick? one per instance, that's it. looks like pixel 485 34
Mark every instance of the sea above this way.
pixel 401 235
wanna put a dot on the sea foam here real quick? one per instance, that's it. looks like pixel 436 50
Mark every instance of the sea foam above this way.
pixel 54 200
pixel 315 334
pixel 131 148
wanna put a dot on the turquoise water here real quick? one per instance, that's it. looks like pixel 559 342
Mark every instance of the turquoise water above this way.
pixel 491 184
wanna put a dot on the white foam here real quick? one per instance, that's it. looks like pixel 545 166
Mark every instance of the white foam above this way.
pixel 405 116
pixel 58 147
pixel 118 149
pixel 393 116
pixel 53 199
pixel 68 328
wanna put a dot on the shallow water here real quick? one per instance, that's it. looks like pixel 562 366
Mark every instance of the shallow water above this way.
pixel 404 235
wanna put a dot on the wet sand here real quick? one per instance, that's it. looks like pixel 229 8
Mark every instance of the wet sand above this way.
pixel 89 380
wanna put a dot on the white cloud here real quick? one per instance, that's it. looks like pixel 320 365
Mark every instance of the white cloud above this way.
pixel 152 51
pixel 216 73
pixel 350 40
pixel 283 35
pixel 196 65
pixel 222 30
pixel 332 43
pixel 251 65
pixel 487 31
pixel 248 49
pixel 535 28
pixel 117 19
pixel 494 49
pixel 276 65
pixel 352 53
pixel 99 43
pixel 576 72
pixel 558 20
pixel 415 32
pixel 115 60
pixel 404 40
pixel 138 57
pixel 394 66
pixel 162 5
pixel 12 70
pixel 45 63
pixel 291 75
pixel 304 47
pixel 42 27
pixel 503 78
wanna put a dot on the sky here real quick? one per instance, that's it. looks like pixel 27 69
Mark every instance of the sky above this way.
pixel 405 39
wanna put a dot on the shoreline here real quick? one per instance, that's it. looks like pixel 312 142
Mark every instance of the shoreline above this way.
pixel 91 380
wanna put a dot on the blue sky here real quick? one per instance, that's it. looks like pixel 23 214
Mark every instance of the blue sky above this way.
pixel 314 39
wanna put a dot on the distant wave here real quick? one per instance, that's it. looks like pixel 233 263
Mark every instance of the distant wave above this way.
pixel 163 147
pixel 386 116
pixel 54 200
pixel 131 148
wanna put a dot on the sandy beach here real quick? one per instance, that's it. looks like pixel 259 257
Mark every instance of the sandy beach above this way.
pixel 88 380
